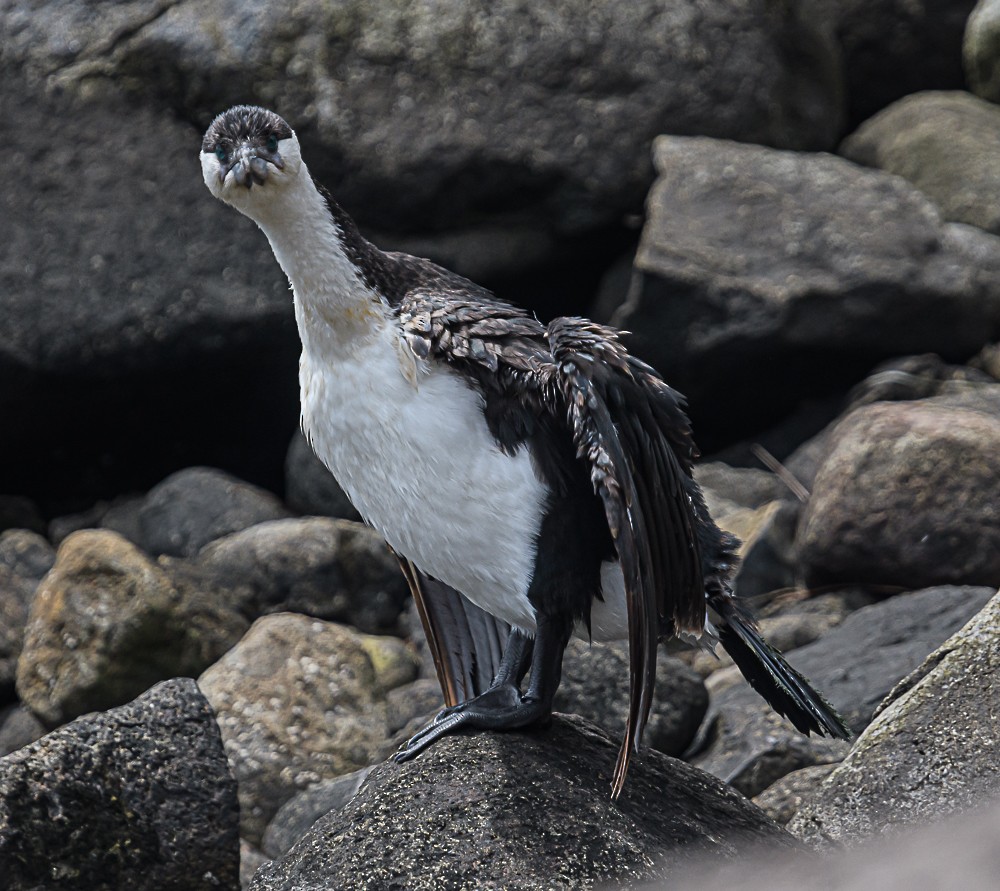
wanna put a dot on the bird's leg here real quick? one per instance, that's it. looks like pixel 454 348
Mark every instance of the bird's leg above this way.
pixel 502 706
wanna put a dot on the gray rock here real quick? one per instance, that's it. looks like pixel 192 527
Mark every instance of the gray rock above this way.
pixel 943 143
pixel 299 813
pixel 310 488
pixel 251 859
pixel 139 797
pixel 298 701
pixel 743 486
pixel 981 50
pixel 107 622
pixel 197 505
pixel 332 569
pixel 855 665
pixel 908 495
pixel 783 798
pixel 595 686
pixel 933 748
pixel 421 699
pixel 919 377
pixel 795 268
pixel 518 811
pixel 18 728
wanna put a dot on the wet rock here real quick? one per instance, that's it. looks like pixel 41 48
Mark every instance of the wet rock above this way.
pixel 310 488
pixel 331 569
pixel 943 143
pixel 298 701
pixel 908 495
pixel 138 797
pixel 197 505
pixel 855 665
pixel 107 622
pixel 932 749
pixel 489 810
pixel 783 798
pixel 807 302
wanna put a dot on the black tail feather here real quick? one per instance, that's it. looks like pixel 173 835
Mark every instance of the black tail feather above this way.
pixel 766 670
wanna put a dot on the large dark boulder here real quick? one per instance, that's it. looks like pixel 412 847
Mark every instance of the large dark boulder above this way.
pixel 521 811
pixel 138 797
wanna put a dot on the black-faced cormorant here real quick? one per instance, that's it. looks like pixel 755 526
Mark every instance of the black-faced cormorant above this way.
pixel 534 480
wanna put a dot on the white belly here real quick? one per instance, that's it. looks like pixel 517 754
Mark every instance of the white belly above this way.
pixel 421 467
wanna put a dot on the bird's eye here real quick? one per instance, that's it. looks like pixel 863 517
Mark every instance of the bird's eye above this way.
pixel 272 143
pixel 221 153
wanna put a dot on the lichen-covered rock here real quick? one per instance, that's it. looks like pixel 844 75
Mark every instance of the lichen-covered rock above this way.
pixel 107 622
pixel 522 810
pixel 298 701
pixel 138 797
pixel 933 748
pixel 908 495
pixel 943 143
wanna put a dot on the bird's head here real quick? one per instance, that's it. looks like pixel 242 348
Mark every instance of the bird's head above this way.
pixel 249 152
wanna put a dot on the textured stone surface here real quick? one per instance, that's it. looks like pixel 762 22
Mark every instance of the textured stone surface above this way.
pixel 107 622
pixel 855 665
pixel 943 143
pixel 909 495
pixel 795 269
pixel 783 798
pixel 934 747
pixel 138 797
pixel 519 811
pixel 298 701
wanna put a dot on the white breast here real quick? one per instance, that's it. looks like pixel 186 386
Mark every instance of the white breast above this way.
pixel 421 466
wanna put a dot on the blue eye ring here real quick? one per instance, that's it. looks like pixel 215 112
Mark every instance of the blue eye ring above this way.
pixel 272 143
pixel 221 153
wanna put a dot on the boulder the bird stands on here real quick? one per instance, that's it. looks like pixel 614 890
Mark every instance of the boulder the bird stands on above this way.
pixel 534 481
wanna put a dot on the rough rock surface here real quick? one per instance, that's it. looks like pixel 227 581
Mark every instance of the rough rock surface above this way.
pixel 942 142
pixel 783 798
pixel 789 267
pixel 107 622
pixel 855 666
pixel 298 701
pixel 933 748
pixel 138 797
pixel 490 810
pixel 909 495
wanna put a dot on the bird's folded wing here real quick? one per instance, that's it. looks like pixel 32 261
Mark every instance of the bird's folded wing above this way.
pixel 465 642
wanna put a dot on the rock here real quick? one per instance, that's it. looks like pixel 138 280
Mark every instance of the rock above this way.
pixel 138 797
pixel 783 798
pixel 197 505
pixel 854 665
pixel 298 701
pixel 742 486
pixel 595 686
pixel 943 143
pixel 18 728
pixel 807 301
pixel 134 297
pixel 107 622
pixel 331 569
pixel 918 377
pixel 891 48
pixel 489 810
pixel 310 488
pixel 251 859
pixel 420 699
pixel 981 50
pixel 932 749
pixel 24 558
pixel 299 813
pixel 908 495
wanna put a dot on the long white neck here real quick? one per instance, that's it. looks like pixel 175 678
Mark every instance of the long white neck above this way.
pixel 334 307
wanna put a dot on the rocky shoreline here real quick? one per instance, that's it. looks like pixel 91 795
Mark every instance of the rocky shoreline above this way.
pixel 206 660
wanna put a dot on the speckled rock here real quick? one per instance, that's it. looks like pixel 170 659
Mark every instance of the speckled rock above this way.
pixel 107 622
pixel 806 303
pixel 933 748
pixel 783 798
pixel 521 811
pixel 854 665
pixel 332 569
pixel 138 797
pixel 299 701
pixel 24 558
pixel 943 143
pixel 908 495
